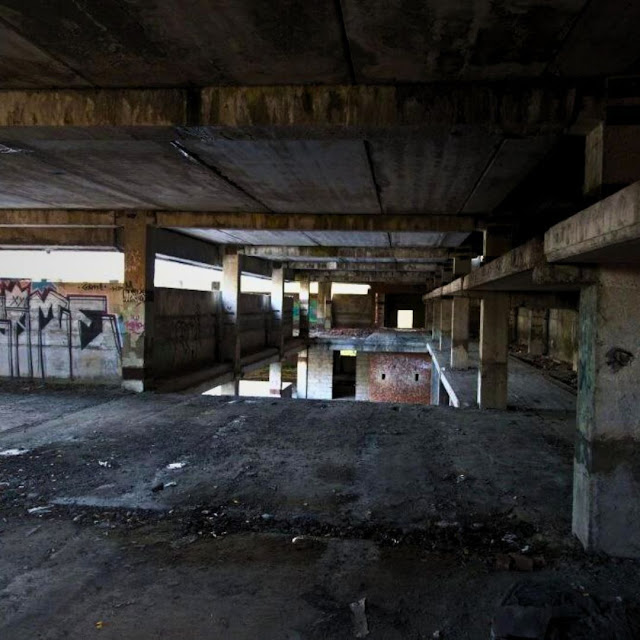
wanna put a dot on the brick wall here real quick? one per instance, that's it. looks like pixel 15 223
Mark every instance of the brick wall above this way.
pixel 400 377
pixel 320 373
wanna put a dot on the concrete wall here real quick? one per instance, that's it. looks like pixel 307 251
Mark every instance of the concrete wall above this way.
pixel 67 331
pixel 352 311
pixel 362 375
pixel 254 321
pixel 400 377
pixel 563 335
pixel 186 330
pixel 320 373
pixel 523 317
pixel 287 317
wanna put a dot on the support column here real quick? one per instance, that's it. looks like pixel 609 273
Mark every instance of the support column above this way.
pixel 435 328
pixel 302 373
pixel 513 324
pixel 277 307
pixel 275 379
pixel 428 314
pixel 379 310
pixel 322 304
pixel 606 489
pixel 445 322
pixel 496 242
pixel 305 286
pixel 328 308
pixel 231 388
pixel 494 347
pixel 230 296
pixel 461 267
pixel 537 339
pixel 137 310
pixel 460 333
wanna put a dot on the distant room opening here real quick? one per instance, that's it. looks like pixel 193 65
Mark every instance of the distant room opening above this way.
pixel 344 374
pixel 405 319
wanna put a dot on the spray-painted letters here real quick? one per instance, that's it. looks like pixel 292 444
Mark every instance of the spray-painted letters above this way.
pixel 59 331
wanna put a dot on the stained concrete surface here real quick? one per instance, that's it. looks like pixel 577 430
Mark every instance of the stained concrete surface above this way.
pixel 529 387
pixel 408 506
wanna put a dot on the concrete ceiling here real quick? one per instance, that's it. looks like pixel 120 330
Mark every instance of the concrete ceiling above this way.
pixel 325 238
pixel 166 43
pixel 422 150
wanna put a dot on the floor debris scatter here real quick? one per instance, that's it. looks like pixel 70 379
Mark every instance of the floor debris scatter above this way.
pixel 315 520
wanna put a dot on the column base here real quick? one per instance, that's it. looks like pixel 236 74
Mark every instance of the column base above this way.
pixel 492 386
pixel 606 496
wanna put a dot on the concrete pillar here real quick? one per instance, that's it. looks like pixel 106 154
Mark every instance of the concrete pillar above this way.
pixel 461 267
pixel 305 286
pixel 230 297
pixel 428 314
pixel 379 310
pixel 275 379
pixel 302 380
pixel 460 333
pixel 444 334
pixel 606 490
pixel 496 242
pixel 537 339
pixel 435 327
pixel 513 324
pixel 322 305
pixel 277 307
pixel 494 346
pixel 137 310
pixel 328 308
pixel 231 388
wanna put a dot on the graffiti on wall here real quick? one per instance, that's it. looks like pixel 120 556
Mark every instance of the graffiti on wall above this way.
pixel 58 331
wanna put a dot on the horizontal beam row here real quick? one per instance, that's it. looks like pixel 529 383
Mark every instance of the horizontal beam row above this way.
pixel 245 221
pixel 338 110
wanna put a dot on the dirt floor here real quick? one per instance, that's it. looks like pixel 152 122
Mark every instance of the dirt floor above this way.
pixel 139 517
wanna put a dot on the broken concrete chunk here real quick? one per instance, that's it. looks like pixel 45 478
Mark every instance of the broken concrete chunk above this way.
pixel 38 511
pixel 7 453
pixel 360 624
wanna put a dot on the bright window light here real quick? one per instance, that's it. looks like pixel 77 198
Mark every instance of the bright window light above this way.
pixel 405 319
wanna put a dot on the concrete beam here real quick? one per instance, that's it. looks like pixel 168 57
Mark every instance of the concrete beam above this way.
pixel 372 108
pixel 517 261
pixel 319 221
pixel 313 110
pixel 367 277
pixel 242 221
pixel 607 232
pixel 363 253
pixel 95 238
pixel 400 267
pixel 57 218
pixel 187 249
pixel 94 108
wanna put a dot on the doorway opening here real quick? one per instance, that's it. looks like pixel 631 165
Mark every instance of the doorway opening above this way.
pixel 344 374
pixel 405 319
